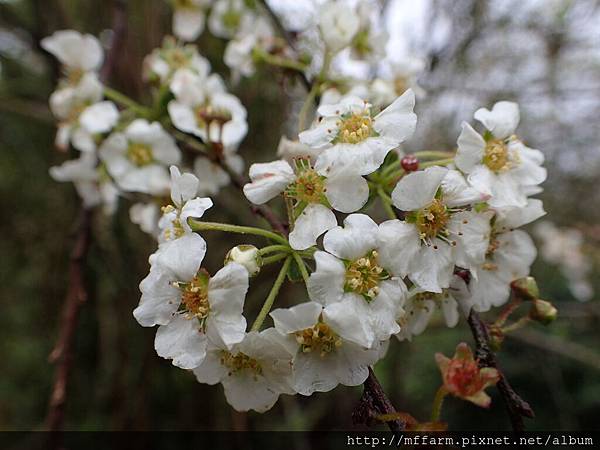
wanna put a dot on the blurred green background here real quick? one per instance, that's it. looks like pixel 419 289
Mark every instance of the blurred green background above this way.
pixel 117 380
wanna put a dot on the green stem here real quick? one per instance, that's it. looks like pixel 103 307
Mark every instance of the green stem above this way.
pixel 308 103
pixel 301 266
pixel 516 325
pixel 386 201
pixel 433 154
pixel 193 143
pixel 393 165
pixel 273 248
pixel 274 258
pixel 197 225
pixel 438 401
pixel 437 162
pixel 262 315
pixel 278 61
pixel 124 100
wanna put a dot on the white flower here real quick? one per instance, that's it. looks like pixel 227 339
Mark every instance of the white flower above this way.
pixel 81 114
pixel 509 255
pixel 203 108
pixel 145 215
pixel 353 140
pixel 93 188
pixel 239 51
pixel 403 73
pixel 164 62
pixel 291 150
pixel 357 275
pixel 77 52
pixel 229 16
pixel 188 18
pixel 253 373
pixel 325 352
pixel 338 23
pixel 173 223
pixel 437 232
pixel 312 193
pixel 421 305
pixel 192 307
pixel 499 164
pixel 137 158
pixel 370 40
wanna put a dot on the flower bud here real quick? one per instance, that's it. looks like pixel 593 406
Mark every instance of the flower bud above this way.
pixel 526 288
pixel 409 163
pixel 543 312
pixel 247 256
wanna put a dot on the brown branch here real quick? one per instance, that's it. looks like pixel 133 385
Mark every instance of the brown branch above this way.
pixel 63 353
pixel 373 403
pixel 517 407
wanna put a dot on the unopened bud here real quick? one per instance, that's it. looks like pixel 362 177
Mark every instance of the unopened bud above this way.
pixel 526 288
pixel 543 311
pixel 247 256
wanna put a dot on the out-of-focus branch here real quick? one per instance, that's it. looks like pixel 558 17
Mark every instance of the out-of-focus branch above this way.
pixel 62 355
pixel 289 39
pixel 517 407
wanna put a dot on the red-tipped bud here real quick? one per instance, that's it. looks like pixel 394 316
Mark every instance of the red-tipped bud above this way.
pixel 409 163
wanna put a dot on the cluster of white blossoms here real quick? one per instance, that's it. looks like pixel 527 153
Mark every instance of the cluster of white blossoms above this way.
pixel 452 241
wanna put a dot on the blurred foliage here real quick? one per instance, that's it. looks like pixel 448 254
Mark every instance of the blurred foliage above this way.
pixel 118 382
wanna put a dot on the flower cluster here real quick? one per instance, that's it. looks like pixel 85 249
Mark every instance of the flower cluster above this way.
pixel 451 242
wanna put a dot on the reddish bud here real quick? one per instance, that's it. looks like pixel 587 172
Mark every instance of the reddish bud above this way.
pixel 409 163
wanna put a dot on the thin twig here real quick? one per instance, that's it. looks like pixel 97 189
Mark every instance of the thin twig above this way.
pixel 374 402
pixel 289 38
pixel 517 407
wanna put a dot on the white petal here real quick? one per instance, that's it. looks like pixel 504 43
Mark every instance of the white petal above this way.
pixel 417 189
pixel 188 23
pixel 471 231
pixel 354 240
pixel 74 49
pixel 432 267
pixel 313 373
pixel 456 191
pixel 347 193
pixel 183 187
pixel 181 341
pixel 326 283
pixel 399 243
pixel 182 256
pixel 349 319
pixel 502 120
pixel 312 222
pixel 160 300
pixel 450 310
pixel 513 217
pixel 321 134
pixel 245 391
pixel 470 149
pixel 398 120
pixel 268 180
pixel 194 208
pixel 210 370
pixel 184 119
pixel 296 318
pixel 515 254
pixel 100 117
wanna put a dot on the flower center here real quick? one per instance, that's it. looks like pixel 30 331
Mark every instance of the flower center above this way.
pixel 231 19
pixel 431 221
pixel 355 128
pixel 175 230
pixel 139 154
pixel 194 295
pixel 496 156
pixel 320 338
pixel 463 377
pixel 361 44
pixel 240 362
pixel 363 276
pixel 309 187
